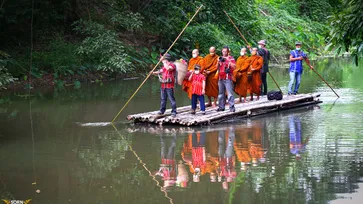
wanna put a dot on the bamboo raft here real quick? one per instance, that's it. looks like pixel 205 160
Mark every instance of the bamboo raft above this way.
pixel 243 110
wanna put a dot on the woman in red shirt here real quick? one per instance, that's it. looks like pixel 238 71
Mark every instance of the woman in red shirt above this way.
pixel 198 89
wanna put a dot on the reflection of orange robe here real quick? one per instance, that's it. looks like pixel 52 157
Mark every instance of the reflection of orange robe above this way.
pixel 256 63
pixel 210 64
pixel 187 85
pixel 240 74
pixel 256 149
pixel 241 146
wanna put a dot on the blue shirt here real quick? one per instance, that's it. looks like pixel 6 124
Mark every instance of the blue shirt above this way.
pixel 296 66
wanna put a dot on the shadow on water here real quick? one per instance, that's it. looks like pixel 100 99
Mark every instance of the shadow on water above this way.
pixel 306 155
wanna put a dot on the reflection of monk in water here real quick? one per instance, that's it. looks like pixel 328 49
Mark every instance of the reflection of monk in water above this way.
pixel 212 155
pixel 241 146
pixel 167 166
pixel 226 168
pixel 255 149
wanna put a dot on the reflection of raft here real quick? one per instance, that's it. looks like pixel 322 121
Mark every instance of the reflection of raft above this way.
pixel 262 106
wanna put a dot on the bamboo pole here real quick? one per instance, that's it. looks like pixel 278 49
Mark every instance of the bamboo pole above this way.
pixel 325 82
pixel 236 28
pixel 127 102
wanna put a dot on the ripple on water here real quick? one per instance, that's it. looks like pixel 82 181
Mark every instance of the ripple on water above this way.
pixel 347 95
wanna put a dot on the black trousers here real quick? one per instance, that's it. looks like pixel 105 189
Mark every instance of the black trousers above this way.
pixel 264 83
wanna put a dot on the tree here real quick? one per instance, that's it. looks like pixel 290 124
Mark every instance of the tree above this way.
pixel 347 30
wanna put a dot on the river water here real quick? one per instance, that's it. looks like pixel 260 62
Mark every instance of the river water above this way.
pixel 55 148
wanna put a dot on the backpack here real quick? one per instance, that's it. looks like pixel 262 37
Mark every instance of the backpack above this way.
pixel 274 95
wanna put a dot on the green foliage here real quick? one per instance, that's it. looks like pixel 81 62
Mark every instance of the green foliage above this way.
pixel 59 57
pixel 346 34
pixel 207 35
pixel 102 48
pixel 5 76
pixel 316 10
pixel 281 30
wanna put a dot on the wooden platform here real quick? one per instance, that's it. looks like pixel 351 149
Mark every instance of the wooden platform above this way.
pixel 249 109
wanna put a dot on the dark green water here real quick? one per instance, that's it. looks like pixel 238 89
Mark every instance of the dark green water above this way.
pixel 308 155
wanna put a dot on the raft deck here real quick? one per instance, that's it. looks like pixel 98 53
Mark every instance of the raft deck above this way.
pixel 248 109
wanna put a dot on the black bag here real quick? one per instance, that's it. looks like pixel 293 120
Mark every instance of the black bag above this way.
pixel 274 95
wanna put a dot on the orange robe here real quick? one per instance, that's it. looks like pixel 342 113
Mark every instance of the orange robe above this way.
pixel 210 64
pixel 255 83
pixel 240 74
pixel 187 85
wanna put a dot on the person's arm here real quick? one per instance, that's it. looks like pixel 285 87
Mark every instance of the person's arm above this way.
pixel 203 90
pixel 260 64
pixel 191 76
pixel 292 59
pixel 308 62
pixel 155 72
pixel 170 68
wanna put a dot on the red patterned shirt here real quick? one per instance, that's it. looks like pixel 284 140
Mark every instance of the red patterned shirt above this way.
pixel 197 83
pixel 168 74
pixel 222 74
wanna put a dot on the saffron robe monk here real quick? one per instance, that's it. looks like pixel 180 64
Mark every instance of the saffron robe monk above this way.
pixel 240 74
pixel 187 85
pixel 209 69
pixel 254 72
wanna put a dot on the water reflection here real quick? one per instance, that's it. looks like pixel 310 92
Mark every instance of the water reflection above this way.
pixel 168 166
pixel 296 144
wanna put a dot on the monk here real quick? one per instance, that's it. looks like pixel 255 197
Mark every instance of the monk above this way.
pixel 240 74
pixel 187 85
pixel 209 69
pixel 254 74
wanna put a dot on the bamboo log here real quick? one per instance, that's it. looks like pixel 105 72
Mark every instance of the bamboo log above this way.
pixel 242 110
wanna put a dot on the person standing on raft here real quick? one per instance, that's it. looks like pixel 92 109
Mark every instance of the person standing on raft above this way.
pixel 196 59
pixel 198 89
pixel 226 65
pixel 253 73
pixel 296 68
pixel 209 69
pixel 167 79
pixel 240 74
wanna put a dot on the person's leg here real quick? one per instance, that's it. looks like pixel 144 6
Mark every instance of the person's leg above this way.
pixel 194 103
pixel 297 82
pixel 221 94
pixel 170 93
pixel 202 103
pixel 264 83
pixel 292 77
pixel 163 101
pixel 229 88
pixel 171 149
pixel 209 101
pixel 231 138
pixel 215 102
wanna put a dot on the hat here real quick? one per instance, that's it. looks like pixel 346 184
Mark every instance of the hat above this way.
pixel 197 66
pixel 167 56
pixel 298 43
pixel 263 42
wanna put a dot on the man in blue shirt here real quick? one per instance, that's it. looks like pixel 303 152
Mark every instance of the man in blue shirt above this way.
pixel 296 68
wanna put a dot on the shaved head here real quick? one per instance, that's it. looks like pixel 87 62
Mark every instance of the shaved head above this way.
pixel 195 51
pixel 243 49
pixel 212 50
pixel 254 49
